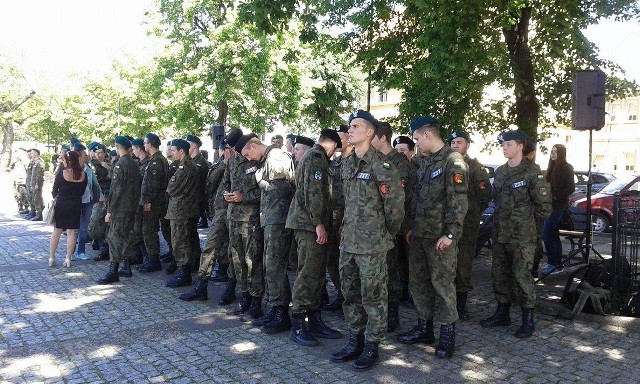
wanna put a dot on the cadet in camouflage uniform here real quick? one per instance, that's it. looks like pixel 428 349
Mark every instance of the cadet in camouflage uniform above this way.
pixel 308 218
pixel 275 176
pixel 18 173
pixel 382 143
pixel 245 234
pixel 301 145
pixel 153 201
pixel 140 252
pixel 522 196
pixel 101 168
pixel 121 208
pixel 35 180
pixel 479 195
pixel 373 214
pixel 182 211
pixel 405 145
pixel 202 167
pixel 440 204
pixel 165 225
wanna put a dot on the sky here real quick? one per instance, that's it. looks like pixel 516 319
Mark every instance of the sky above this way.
pixel 51 39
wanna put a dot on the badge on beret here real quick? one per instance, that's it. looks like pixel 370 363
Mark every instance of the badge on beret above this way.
pixel 384 188
pixel 403 182
pixel 481 185
pixel 458 178
pixel 386 165
pixel 318 175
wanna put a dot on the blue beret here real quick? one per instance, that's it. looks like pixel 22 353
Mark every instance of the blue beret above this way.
pixel 304 141
pixel 102 146
pixel 137 143
pixel 361 114
pixel 233 137
pixel 113 153
pixel 78 146
pixel 123 141
pixel 457 134
pixel 152 136
pixel 194 139
pixel 343 128
pixel 129 137
pixel 291 137
pixel 404 140
pixel 181 144
pixel 223 144
pixel 93 145
pixel 65 147
pixel 74 140
pixel 242 141
pixel 530 145
pixel 333 135
pixel 511 135
pixel 420 122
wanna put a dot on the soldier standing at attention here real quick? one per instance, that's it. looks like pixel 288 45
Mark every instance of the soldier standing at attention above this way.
pixel 245 235
pixel 35 175
pixel 478 195
pixel 182 211
pixel 522 197
pixel 373 214
pixel 275 176
pixel 140 252
pixel 203 170
pixel 405 145
pixel 123 202
pixel 165 225
pixel 382 143
pixel 153 200
pixel 440 204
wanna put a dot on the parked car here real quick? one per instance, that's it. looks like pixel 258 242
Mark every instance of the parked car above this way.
pixel 600 180
pixel 602 202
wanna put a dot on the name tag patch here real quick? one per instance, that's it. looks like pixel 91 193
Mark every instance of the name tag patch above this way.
pixel 250 170
pixel 318 175
pixel 519 184
pixel 436 173
pixel 364 176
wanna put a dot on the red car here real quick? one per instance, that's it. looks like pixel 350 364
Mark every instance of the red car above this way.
pixel 602 202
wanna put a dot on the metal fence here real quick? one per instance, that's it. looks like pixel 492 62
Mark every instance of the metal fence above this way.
pixel 626 241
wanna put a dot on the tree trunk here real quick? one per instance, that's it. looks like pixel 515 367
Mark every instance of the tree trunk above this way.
pixel 223 112
pixel 527 107
pixel 7 143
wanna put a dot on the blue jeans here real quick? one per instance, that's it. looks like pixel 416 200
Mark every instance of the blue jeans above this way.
pixel 85 216
pixel 551 237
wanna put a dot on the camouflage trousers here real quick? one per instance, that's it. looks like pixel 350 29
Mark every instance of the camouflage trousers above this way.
pixel 165 228
pixel 538 253
pixel 150 228
pixel 180 232
pixel 21 195
pixel 394 286
pixel 35 200
pixel 431 280
pixel 215 249
pixel 137 227
pixel 119 238
pixel 311 272
pixel 277 242
pixel 194 239
pixel 466 253
pixel 364 287
pixel 511 274
pixel 246 252
pixel 333 256
pixel 403 258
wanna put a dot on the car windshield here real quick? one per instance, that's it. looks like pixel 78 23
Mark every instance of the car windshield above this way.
pixel 617 184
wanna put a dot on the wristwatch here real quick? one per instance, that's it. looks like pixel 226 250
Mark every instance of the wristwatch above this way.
pixel 449 236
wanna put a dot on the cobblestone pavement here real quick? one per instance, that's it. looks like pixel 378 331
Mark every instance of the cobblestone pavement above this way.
pixel 57 325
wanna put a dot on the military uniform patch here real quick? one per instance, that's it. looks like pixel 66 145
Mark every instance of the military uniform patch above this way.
pixel 317 175
pixel 458 178
pixel 482 185
pixel 519 184
pixel 251 170
pixel 543 191
pixel 457 164
pixel 384 188
pixel 363 176
pixel 436 173
pixel 386 165
pixel 540 177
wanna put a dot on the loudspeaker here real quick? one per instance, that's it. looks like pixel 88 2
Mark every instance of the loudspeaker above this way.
pixel 588 99
pixel 217 134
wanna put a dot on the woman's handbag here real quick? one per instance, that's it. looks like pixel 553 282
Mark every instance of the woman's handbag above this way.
pixel 49 212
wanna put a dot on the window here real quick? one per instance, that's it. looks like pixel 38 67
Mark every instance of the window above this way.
pixel 632 110
pixel 615 110
pixel 383 96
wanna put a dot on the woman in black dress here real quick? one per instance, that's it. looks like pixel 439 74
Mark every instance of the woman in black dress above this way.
pixel 68 187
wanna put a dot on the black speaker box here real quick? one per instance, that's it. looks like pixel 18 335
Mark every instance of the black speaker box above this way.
pixel 588 99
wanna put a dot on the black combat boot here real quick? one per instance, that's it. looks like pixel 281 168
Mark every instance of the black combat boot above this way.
pixel 280 321
pixel 324 295
pixel 173 266
pixel 393 316
pixel 447 341
pixel 37 217
pixel 461 303
pixel 95 244
pixel 23 211
pixel 229 294
pixel 125 269
pixel 421 333
pixel 104 253
pixel 255 310
pixel 30 215
pixel 500 318
pixel 168 257
pixel 199 292
pixel 318 328
pixel 138 256
pixel 219 274
pixel 351 351
pixel 368 358
pixel 243 304
pixel 265 318
pixel 526 329
pixel 150 264
pixel 181 279
pixel 111 276
pixel 299 332
pixel 335 305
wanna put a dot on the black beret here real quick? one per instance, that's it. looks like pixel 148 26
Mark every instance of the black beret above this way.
pixel 65 147
pixel 74 140
pixel 233 137
pixel 291 137
pixel 129 137
pixel 404 140
pixel 343 128
pixel 152 136
pixel 243 140
pixel 78 146
pixel 457 134
pixel 101 146
pixel 333 135
pixel 180 144
pixel 304 141
pixel 123 141
pixel 511 135
pixel 36 150
pixel 93 145
pixel 137 143
pixel 420 122
pixel 194 139
pixel 361 114
pixel 113 153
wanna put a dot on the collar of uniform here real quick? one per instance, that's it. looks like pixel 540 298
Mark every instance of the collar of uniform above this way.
pixel 441 154
pixel 320 149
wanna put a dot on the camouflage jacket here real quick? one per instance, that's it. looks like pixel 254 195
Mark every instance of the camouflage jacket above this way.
pixel 336 192
pixel 215 191
pixel 480 191
pixel 374 203
pixel 440 200
pixel 173 167
pixel 182 191
pixel 125 187
pixel 154 182
pixel 240 178
pixel 35 174
pixel 203 171
pixel 102 174
pixel 407 174
pixel 275 177
pixel 522 196
pixel 310 204
pixel 142 165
